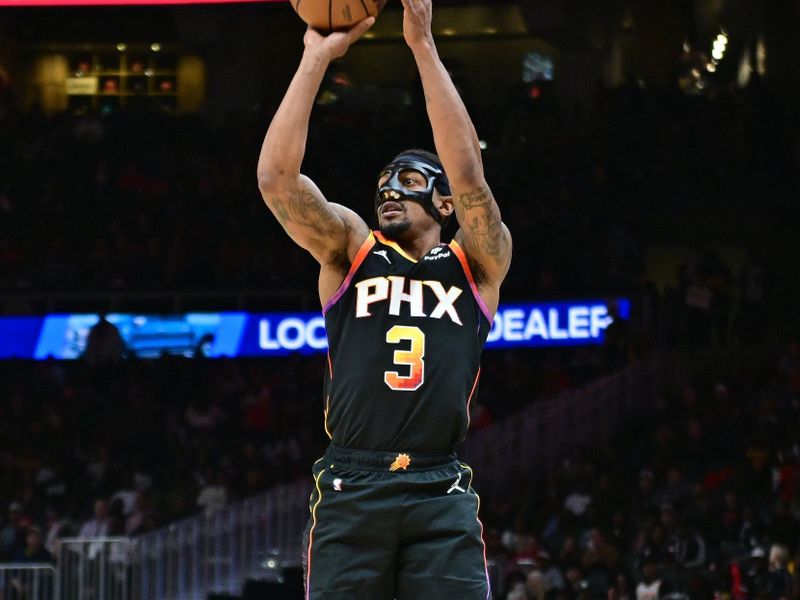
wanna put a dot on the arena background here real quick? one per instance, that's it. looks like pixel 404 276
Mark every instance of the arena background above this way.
pixel 636 434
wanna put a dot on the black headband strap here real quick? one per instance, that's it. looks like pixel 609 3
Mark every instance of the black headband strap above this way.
pixel 441 183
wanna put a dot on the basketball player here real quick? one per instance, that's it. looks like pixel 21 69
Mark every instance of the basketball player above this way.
pixel 393 513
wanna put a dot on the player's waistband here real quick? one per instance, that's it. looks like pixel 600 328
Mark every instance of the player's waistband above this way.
pixel 374 460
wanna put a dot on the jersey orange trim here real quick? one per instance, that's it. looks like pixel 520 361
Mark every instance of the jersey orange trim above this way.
pixel 328 399
pixel 478 518
pixel 311 533
pixel 462 258
pixel 393 245
pixel 472 393
pixel 325 416
pixel 359 258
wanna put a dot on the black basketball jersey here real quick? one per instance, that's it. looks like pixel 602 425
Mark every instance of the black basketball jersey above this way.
pixel 405 339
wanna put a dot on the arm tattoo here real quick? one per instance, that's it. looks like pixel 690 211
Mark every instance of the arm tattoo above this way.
pixel 481 223
pixel 280 210
pixel 305 210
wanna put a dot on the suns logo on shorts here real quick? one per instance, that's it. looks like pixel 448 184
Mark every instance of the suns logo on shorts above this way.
pixel 401 462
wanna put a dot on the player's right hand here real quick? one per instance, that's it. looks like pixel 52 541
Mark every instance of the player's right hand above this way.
pixel 417 18
pixel 335 45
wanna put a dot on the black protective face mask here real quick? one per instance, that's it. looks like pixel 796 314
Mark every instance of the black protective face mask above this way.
pixel 394 190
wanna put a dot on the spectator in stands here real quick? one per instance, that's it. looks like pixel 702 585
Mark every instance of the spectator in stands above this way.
pixel 126 494
pixel 698 299
pixel 203 414
pixel 518 592
pixel 600 561
pixel 578 501
pixel 58 526
pixel 655 547
pixel 621 588
pixel 675 491
pixel 525 552
pixel 618 345
pixel 755 574
pixel 688 546
pixel 551 574
pixel 784 528
pixel 116 518
pixel 34 550
pixel 751 532
pixel 104 345
pixel 570 552
pixel 214 493
pixel 693 446
pixel 714 273
pixel 649 585
pixel 669 519
pixel 646 494
pixel 577 585
pixel 12 535
pixel 619 531
pixel 535 585
pixel 100 467
pixel 98 525
pixel 781 582
pixel 138 520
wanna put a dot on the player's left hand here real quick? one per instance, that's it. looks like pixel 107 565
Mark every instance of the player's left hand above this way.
pixel 417 17
pixel 335 45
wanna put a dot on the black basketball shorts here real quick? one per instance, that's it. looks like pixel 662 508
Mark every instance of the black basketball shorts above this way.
pixel 389 526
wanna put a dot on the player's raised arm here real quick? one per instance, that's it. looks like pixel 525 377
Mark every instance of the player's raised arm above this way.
pixel 483 235
pixel 322 228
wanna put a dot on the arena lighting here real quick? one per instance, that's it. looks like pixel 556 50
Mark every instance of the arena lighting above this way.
pixel 45 3
pixel 122 47
pixel 220 335
pixel 155 47
pixel 718 47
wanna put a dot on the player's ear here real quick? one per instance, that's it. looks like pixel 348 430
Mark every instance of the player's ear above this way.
pixel 444 204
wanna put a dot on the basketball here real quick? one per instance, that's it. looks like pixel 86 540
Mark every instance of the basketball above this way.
pixel 335 15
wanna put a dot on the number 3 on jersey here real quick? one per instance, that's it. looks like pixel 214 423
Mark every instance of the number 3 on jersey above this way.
pixel 412 357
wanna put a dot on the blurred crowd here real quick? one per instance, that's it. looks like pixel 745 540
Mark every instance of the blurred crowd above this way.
pixel 103 446
pixel 699 500
pixel 110 450
pixel 141 200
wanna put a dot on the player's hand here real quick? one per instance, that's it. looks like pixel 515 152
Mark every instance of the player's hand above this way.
pixel 335 44
pixel 417 18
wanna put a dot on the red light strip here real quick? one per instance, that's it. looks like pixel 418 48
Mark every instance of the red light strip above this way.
pixel 119 2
